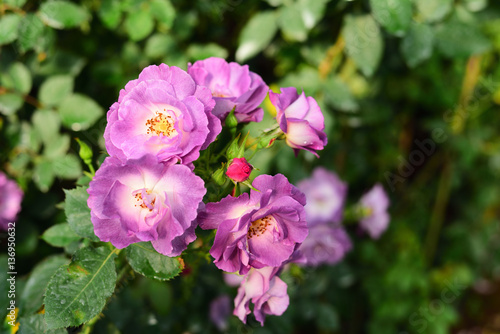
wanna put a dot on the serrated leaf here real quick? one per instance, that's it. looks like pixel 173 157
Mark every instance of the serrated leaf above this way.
pixel 145 260
pixel 432 10
pixel 139 24
pixel 163 11
pixel 60 235
pixel 35 324
pixel 363 41
pixel 418 44
pixel 79 112
pixel 55 88
pixel 47 123
pixel 394 15
pixel 63 14
pixel 256 35
pixel 43 176
pixel 9 24
pixel 32 295
pixel 10 103
pixel 457 39
pixel 78 213
pixel 77 292
pixel 30 32
pixel 17 78
pixel 68 167
pixel 110 13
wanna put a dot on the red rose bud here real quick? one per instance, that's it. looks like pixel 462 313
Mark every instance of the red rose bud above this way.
pixel 239 170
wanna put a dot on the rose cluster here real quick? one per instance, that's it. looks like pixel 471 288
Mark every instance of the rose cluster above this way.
pixel 147 189
pixel 328 241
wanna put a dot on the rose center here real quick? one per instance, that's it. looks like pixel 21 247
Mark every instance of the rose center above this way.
pixel 144 199
pixel 161 124
pixel 258 227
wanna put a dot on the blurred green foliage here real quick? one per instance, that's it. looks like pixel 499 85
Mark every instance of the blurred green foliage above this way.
pixel 410 90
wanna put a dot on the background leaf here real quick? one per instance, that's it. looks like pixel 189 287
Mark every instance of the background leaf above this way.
pixel 79 112
pixel 34 290
pixel 63 14
pixel 256 35
pixel 394 15
pixel 9 24
pixel 78 213
pixel 55 88
pixel 418 44
pixel 60 235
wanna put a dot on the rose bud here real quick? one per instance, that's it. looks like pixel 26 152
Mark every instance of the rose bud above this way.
pixel 239 170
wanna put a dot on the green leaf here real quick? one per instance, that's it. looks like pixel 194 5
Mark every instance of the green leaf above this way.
pixel 110 13
pixel 43 176
pixel 77 292
pixel 30 32
pixel 394 15
pixel 9 24
pixel 15 3
pixel 256 35
pixel 163 11
pixel 35 324
pixel 364 43
pixel 338 95
pixel 60 235
pixel 79 112
pixel 78 213
pixel 29 139
pixel 55 89
pixel 63 14
pixel 17 78
pixel 475 5
pixel 62 62
pixel 159 45
pixel 47 123
pixel 199 51
pixel 312 11
pixel 291 23
pixel 32 295
pixel 10 103
pixel 57 147
pixel 418 44
pixel 457 39
pixel 148 262
pixel 68 167
pixel 432 10
pixel 139 24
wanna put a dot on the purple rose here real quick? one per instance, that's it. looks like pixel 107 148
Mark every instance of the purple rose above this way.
pixel 163 113
pixel 325 245
pixel 10 201
pixel 220 310
pixel 300 119
pixel 374 206
pixel 256 230
pixel 325 194
pixel 232 85
pixel 144 200
pixel 266 291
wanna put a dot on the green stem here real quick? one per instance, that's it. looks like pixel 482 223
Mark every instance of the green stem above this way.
pixel 437 217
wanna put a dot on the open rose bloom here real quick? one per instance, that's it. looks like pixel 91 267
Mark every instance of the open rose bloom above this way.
pixel 10 201
pixel 256 230
pixel 374 204
pixel 301 120
pixel 144 200
pixel 265 290
pixel 232 86
pixel 325 193
pixel 164 113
